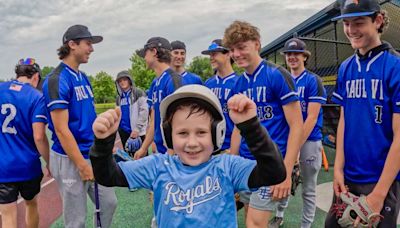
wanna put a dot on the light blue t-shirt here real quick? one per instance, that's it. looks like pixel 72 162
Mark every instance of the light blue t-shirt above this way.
pixel 191 196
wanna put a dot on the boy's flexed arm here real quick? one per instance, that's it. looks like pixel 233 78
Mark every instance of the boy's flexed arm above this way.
pixel 105 169
pixel 270 169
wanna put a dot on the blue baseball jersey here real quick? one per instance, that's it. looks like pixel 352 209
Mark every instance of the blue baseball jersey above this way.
pixel 64 88
pixel 160 88
pixel 21 106
pixel 270 87
pixel 190 78
pixel 125 103
pixel 368 89
pixel 310 89
pixel 223 89
pixel 199 196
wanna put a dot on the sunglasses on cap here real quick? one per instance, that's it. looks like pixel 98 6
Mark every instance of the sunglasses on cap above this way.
pixel 27 61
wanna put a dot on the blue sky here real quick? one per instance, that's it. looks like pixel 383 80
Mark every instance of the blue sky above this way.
pixel 35 28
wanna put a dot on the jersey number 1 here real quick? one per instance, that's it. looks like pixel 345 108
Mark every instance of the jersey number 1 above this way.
pixel 13 112
pixel 378 112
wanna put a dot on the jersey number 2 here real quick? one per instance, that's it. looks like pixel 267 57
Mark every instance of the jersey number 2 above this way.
pixel 12 113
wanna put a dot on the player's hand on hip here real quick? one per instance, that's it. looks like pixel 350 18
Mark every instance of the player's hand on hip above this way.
pixel 107 123
pixel 282 190
pixel 86 173
pixel 338 182
pixel 241 108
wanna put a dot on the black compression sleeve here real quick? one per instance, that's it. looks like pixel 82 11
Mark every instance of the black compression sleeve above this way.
pixel 270 169
pixel 106 171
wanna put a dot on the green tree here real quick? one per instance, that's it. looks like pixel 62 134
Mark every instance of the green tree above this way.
pixel 201 66
pixel 103 88
pixel 142 76
pixel 46 70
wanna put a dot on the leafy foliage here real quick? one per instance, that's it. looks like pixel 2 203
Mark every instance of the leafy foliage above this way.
pixel 141 75
pixel 103 88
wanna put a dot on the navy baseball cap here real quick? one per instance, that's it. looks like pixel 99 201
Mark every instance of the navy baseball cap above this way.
pixel 153 42
pixel 80 32
pixel 215 46
pixel 295 45
pixel 178 45
pixel 357 8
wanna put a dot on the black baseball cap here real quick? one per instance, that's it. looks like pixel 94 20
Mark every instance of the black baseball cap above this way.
pixel 295 45
pixel 215 46
pixel 178 45
pixel 80 32
pixel 357 8
pixel 153 42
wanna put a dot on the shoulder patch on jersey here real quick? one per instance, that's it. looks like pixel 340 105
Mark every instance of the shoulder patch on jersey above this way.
pixel 53 84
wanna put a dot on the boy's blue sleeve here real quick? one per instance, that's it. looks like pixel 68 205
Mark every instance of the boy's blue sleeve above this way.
pixel 150 95
pixel 141 173
pixel 239 170
pixel 63 95
pixel 395 87
pixel 340 90
pixel 39 111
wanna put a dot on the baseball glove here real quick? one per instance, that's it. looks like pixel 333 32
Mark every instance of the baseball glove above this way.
pixel 349 206
pixel 296 179
pixel 132 145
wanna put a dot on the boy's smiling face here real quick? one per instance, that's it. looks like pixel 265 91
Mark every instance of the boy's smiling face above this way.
pixel 191 136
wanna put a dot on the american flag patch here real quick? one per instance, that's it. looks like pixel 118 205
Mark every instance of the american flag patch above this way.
pixel 15 87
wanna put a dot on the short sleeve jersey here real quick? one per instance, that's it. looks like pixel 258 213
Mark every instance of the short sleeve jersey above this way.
pixel 223 89
pixel 310 89
pixel 21 106
pixel 64 88
pixel 368 89
pixel 270 87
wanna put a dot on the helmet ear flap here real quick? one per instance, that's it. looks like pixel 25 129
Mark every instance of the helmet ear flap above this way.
pixel 167 134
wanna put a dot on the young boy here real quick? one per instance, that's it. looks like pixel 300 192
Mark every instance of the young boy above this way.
pixel 222 83
pixel 368 138
pixel 70 105
pixel 134 110
pixel 178 59
pixel 22 141
pixel 192 188
pixel 311 94
pixel 272 88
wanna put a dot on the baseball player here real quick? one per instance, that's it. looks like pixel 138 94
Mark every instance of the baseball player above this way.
pixel 157 54
pixel 134 109
pixel 178 58
pixel 311 95
pixel 22 141
pixel 273 90
pixel 222 82
pixel 368 138
pixel 70 104
pixel 192 188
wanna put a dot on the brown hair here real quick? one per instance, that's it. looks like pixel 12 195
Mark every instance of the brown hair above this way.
pixel 163 55
pixel 240 31
pixel 64 50
pixel 385 22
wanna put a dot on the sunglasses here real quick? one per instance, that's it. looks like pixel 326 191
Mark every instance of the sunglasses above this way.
pixel 27 61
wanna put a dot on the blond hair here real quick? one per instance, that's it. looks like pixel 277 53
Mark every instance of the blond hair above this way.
pixel 240 31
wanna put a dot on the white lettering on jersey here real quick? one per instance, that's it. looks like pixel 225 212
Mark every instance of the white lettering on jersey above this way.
pixel 124 101
pixel 187 200
pixel 374 88
pixel 80 93
pixel 300 91
pixel 157 96
pixel 221 93
pixel 89 90
pixel 356 89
